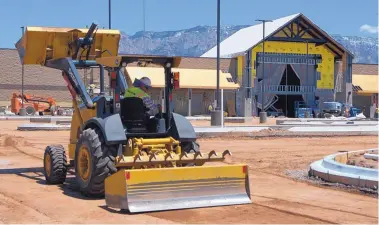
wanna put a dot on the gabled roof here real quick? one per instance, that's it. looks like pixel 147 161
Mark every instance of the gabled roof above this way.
pixel 247 38
pixel 242 40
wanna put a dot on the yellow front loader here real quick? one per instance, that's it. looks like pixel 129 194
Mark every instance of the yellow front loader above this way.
pixel 139 163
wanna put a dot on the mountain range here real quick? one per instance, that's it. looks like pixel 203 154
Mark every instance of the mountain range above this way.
pixel 197 40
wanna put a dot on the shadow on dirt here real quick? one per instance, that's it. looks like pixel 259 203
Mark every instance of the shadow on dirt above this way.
pixel 120 211
pixel 69 188
pixel 34 173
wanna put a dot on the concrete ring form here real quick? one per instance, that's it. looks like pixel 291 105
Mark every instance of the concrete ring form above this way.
pixel 333 168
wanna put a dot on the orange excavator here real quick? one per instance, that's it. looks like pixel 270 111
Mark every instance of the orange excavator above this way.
pixel 33 104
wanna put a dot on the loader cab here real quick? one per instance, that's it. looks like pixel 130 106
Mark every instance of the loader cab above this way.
pixel 134 115
pixel 132 112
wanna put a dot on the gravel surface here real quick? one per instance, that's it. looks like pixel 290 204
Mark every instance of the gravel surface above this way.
pixel 302 175
pixel 361 161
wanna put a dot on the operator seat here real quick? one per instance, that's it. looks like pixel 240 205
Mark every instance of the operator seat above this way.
pixel 134 115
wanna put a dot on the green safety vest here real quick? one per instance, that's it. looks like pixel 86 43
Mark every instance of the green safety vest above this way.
pixel 135 92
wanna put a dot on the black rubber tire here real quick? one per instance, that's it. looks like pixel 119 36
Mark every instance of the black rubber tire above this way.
pixel 58 164
pixel 190 146
pixel 30 111
pixel 102 162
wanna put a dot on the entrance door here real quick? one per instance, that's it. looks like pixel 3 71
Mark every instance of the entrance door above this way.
pixel 197 103
pixel 286 103
pixel 180 102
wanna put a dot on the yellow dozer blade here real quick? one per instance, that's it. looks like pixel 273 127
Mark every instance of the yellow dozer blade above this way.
pixel 157 189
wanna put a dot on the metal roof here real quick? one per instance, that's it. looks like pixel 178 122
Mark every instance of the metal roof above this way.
pixel 245 38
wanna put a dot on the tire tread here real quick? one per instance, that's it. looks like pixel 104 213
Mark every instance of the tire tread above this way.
pixel 59 162
pixel 103 161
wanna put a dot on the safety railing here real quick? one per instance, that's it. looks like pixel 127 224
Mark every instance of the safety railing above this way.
pixel 283 89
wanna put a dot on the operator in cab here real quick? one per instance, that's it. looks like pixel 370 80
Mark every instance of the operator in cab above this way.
pixel 139 89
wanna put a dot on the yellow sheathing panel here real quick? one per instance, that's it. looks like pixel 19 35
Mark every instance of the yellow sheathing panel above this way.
pixel 368 83
pixel 306 35
pixel 326 68
pixel 280 34
pixel 239 67
pixel 184 173
pixel 189 78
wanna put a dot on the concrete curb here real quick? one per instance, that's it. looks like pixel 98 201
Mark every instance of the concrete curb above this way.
pixel 345 128
pixel 54 118
pixel 333 123
pixel 281 134
pixel 63 122
pixel 35 118
pixel 234 131
pixel 330 170
pixel 43 127
pixel 326 121
pixel 281 129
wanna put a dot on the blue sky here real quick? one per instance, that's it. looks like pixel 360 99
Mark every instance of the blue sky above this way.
pixel 345 17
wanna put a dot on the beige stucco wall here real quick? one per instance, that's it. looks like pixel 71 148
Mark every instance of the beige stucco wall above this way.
pixel 38 80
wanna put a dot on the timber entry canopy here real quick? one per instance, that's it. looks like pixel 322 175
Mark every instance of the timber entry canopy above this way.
pixel 189 78
pixel 365 79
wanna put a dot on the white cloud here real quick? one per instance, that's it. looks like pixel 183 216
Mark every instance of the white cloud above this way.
pixel 369 29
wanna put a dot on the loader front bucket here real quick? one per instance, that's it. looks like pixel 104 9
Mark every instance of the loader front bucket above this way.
pixel 39 44
pixel 146 190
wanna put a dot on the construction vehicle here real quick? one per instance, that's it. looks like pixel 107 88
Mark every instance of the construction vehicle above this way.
pixel 329 109
pixel 113 150
pixel 33 104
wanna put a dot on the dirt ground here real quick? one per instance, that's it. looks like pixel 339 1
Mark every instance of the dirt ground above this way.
pixel 25 198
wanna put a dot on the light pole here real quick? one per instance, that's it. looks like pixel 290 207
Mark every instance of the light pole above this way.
pixel 216 114
pixel 143 13
pixel 263 114
pixel 109 27
pixel 218 58
pixel 109 14
pixel 144 22
pixel 22 111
